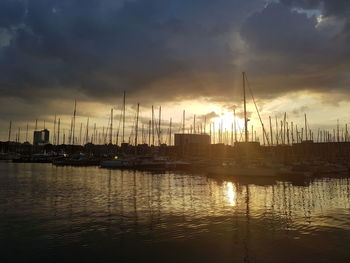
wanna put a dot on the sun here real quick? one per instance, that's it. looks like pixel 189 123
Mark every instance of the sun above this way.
pixel 227 120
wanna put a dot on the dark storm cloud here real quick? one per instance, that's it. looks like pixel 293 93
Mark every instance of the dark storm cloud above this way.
pixel 11 12
pixel 169 50
pixel 102 47
pixel 288 52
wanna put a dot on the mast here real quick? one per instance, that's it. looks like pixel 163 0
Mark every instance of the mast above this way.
pixel 111 128
pixel 10 129
pixel 159 124
pixel 73 123
pixel 19 134
pixel 284 128
pixel 194 123
pixel 271 135
pixel 183 121
pixel 54 131
pixel 142 134
pixel 95 133
pixel 231 133
pixel 27 133
pixel 81 127
pixel 277 138
pixel 58 131
pixel 152 125
pixel 149 132
pixel 245 110
pixel 305 127
pixel 235 123
pixel 338 130
pixel 36 124
pixel 136 126
pixel 170 131
pixel 123 133
pixel 87 131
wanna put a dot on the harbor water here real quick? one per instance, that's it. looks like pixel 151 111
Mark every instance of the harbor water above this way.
pixel 61 214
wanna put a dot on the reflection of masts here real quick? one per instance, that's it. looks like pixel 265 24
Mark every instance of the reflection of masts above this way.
pixel 247 236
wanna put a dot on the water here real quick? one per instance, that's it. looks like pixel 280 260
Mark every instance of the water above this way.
pixel 58 214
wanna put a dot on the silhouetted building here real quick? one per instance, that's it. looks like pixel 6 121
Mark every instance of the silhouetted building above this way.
pixel 41 137
pixel 182 139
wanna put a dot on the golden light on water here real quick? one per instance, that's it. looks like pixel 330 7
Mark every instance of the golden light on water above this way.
pixel 231 193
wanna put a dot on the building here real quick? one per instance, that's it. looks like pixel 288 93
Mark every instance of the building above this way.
pixel 184 139
pixel 41 137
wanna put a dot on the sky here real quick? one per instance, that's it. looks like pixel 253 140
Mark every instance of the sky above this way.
pixel 177 54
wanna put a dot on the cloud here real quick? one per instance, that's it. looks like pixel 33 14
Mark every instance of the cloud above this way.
pixel 161 51
pixel 286 52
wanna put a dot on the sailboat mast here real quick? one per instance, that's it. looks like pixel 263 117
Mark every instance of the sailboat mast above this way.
pixel 183 121
pixel 235 124
pixel 271 135
pixel 137 126
pixel 9 139
pixel 58 131
pixel 73 124
pixel 54 131
pixel 305 128
pixel 80 131
pixel 245 110
pixel 159 124
pixel 152 125
pixel 111 128
pixel 123 133
pixel 170 131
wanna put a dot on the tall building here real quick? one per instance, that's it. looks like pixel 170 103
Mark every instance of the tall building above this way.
pixel 41 137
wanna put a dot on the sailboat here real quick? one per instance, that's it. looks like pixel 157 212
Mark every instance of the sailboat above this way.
pixel 248 163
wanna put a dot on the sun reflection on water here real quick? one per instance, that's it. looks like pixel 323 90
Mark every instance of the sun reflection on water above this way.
pixel 231 193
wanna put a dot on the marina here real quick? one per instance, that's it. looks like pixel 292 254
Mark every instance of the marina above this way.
pixel 136 131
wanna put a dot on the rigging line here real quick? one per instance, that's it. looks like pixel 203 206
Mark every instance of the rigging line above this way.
pixel 257 110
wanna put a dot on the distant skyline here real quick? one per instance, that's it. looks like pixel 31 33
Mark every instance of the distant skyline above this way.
pixel 182 55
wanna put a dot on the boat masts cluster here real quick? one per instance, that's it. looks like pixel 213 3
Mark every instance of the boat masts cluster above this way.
pixel 156 131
